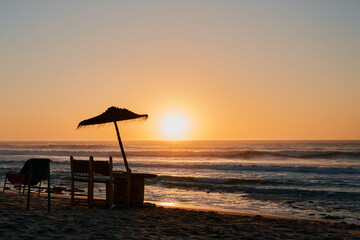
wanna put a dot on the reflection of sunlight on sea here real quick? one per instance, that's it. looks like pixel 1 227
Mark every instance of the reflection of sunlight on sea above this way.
pixel 168 204
pixel 176 196
pixel 229 201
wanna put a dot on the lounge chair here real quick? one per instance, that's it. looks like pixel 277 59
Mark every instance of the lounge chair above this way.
pixel 33 172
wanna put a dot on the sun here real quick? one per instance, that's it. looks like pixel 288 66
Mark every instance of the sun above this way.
pixel 174 126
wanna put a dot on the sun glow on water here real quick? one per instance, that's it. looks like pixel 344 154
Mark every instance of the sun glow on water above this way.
pixel 167 204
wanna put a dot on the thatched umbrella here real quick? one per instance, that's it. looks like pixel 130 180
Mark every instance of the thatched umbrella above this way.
pixel 114 114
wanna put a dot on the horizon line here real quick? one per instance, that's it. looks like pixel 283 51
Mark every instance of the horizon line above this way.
pixel 178 140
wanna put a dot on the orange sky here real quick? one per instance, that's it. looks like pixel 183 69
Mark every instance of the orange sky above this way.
pixel 233 69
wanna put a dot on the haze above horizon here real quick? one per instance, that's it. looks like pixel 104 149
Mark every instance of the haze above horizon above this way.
pixel 227 70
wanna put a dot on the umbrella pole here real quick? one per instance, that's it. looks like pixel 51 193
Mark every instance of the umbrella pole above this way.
pixel 122 148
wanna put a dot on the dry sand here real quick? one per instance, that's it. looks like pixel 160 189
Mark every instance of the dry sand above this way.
pixel 67 222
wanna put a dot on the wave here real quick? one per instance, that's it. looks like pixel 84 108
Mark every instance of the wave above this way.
pixel 208 165
pixel 228 185
pixel 209 180
pixel 249 154
pixel 253 168
pixel 302 195
pixel 296 154
pixel 238 168
pixel 273 190
pixel 354 155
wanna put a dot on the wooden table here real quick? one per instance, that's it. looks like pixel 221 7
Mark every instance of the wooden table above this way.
pixel 137 187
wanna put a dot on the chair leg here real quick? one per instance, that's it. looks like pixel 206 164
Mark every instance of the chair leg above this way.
pixel 110 194
pixel 28 197
pixel 128 192
pixel 72 191
pixel 5 183
pixel 48 188
pixel 39 188
pixel 107 185
pixel 90 194
pixel 91 182
pixel 20 188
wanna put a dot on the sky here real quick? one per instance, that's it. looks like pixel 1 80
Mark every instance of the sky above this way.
pixel 231 70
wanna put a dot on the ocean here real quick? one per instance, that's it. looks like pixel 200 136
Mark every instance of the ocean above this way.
pixel 312 179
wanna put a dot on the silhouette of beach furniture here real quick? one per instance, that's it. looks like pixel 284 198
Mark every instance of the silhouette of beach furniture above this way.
pixel 32 173
pixel 122 188
pixel 79 173
pixel 129 188
pixel 125 192
pixel 137 188
pixel 113 115
pixel 91 172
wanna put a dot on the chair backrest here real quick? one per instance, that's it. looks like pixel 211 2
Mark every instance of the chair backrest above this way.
pixel 79 167
pixel 101 167
pixel 104 168
pixel 86 168
pixel 37 168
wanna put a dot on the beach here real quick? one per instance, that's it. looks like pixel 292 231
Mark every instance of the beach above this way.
pixel 79 222
pixel 311 179
pixel 190 119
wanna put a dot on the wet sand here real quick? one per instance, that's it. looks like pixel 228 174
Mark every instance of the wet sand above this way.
pixel 78 222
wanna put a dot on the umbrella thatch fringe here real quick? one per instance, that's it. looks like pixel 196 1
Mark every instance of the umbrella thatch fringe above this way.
pixel 103 124
pixel 113 114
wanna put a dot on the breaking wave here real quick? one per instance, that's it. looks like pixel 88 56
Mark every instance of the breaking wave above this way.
pixel 201 154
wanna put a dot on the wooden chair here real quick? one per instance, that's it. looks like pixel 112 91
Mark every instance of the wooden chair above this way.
pixel 103 173
pixel 92 172
pixel 80 172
